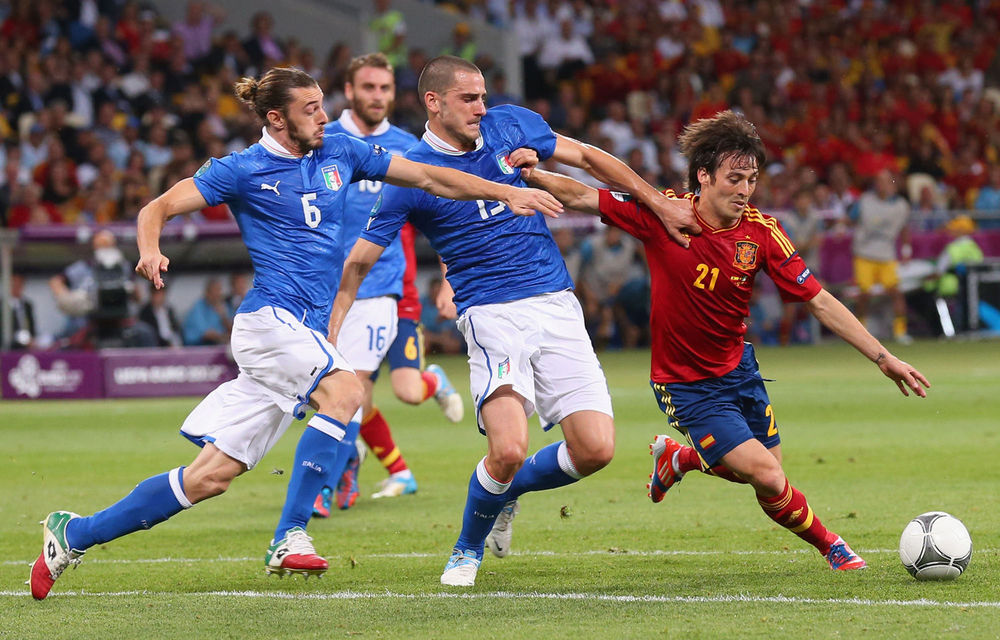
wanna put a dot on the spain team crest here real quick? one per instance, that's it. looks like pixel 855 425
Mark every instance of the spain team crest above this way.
pixel 746 255
pixel 331 176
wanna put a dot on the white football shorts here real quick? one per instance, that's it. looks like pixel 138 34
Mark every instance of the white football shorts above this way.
pixel 539 346
pixel 368 331
pixel 281 361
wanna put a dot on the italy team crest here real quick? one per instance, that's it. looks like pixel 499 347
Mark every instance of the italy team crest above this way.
pixel 503 369
pixel 504 163
pixel 331 176
pixel 746 255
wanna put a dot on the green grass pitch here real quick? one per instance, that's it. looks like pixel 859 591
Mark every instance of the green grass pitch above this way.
pixel 593 560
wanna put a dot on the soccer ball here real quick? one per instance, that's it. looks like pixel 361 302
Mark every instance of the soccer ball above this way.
pixel 935 546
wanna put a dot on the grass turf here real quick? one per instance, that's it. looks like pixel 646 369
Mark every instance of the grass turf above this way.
pixel 595 559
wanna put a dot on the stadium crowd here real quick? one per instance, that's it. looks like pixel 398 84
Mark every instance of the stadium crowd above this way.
pixel 104 103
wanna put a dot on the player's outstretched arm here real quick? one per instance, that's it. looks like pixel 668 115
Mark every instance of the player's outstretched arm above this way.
pixel 572 193
pixel 676 215
pixel 838 318
pixel 183 197
pixel 458 185
pixel 359 262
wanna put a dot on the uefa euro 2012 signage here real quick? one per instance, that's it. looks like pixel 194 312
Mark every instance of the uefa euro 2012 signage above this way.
pixel 114 373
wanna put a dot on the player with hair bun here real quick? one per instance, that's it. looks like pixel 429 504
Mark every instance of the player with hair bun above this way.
pixel 287 194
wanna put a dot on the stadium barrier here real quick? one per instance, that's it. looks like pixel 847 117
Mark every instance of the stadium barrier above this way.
pixel 114 373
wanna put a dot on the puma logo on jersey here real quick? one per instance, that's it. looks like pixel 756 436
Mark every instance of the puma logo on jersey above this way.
pixel 274 188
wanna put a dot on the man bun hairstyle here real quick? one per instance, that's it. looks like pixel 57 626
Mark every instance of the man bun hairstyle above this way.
pixel 706 143
pixel 273 91
pixel 439 74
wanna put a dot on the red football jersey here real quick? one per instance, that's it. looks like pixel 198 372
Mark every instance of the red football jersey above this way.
pixel 700 296
pixel 409 305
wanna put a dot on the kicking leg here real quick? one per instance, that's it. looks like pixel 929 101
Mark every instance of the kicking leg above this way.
pixel 785 504
pixel 67 536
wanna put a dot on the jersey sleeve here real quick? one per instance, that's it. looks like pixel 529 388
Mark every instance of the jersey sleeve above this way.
pixel 390 213
pixel 795 281
pixel 370 160
pixel 218 179
pixel 539 135
pixel 625 212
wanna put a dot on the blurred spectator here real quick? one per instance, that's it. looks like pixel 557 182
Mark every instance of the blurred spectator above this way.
pixel 610 263
pixel 952 267
pixel 988 200
pixel 208 320
pixel 805 229
pixel 22 316
pixel 389 29
pixel 95 294
pixel 880 217
pixel 239 284
pixel 29 208
pixel 195 30
pixel 499 95
pixel 160 316
pixel 564 54
pixel 462 44
pixel 441 335
pixel 262 49
pixel 532 27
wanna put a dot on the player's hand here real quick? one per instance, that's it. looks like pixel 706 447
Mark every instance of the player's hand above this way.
pixel 445 302
pixel 525 202
pixel 677 216
pixel 151 266
pixel 524 159
pixel 904 375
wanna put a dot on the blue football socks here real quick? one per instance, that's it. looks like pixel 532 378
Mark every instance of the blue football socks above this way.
pixel 549 468
pixel 151 502
pixel 486 499
pixel 318 457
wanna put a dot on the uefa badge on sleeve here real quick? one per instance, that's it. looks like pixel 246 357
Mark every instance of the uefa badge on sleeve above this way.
pixel 331 176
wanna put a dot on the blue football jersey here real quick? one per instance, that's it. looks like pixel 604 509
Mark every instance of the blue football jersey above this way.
pixel 386 275
pixel 291 212
pixel 492 254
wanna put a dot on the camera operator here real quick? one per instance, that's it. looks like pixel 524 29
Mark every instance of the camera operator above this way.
pixel 96 295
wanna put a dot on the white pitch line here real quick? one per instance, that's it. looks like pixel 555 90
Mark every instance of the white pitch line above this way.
pixel 528 554
pixel 532 595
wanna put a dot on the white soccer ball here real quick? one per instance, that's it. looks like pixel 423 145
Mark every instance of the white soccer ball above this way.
pixel 935 546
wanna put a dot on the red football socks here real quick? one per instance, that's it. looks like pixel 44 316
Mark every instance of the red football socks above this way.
pixel 378 437
pixel 430 384
pixel 790 510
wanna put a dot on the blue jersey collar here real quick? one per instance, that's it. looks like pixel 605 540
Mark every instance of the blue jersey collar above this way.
pixel 347 122
pixel 274 147
pixel 438 144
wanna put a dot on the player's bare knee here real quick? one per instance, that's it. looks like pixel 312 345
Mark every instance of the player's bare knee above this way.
pixel 201 486
pixel 769 480
pixel 507 458
pixel 594 458
pixel 409 396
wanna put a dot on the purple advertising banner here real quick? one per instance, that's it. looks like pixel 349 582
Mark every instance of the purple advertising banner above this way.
pixel 51 374
pixel 194 371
